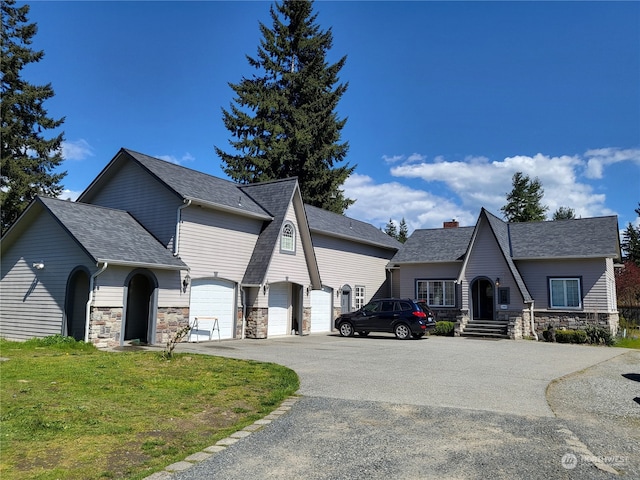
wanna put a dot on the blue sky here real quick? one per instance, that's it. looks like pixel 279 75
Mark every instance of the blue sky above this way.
pixel 446 100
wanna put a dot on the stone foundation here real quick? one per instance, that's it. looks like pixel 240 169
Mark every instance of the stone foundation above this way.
pixel 575 321
pixel 169 321
pixel 256 323
pixel 105 326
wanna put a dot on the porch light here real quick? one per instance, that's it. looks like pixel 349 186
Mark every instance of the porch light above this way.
pixel 265 288
pixel 186 281
pixel 38 265
pixel 498 282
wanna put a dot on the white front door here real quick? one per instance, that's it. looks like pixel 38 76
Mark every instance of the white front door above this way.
pixel 279 307
pixel 321 310
pixel 213 298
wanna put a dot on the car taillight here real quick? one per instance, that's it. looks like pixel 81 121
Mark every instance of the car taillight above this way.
pixel 419 314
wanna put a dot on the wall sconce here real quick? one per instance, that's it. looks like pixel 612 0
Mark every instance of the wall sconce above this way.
pixel 38 265
pixel 265 288
pixel 338 292
pixel 185 282
pixel 498 282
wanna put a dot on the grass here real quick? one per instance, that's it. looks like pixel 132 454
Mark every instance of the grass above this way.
pixel 629 342
pixel 70 411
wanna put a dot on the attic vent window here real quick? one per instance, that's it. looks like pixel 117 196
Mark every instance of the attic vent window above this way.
pixel 288 238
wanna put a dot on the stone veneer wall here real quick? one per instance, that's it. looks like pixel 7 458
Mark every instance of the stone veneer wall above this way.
pixel 576 321
pixel 306 320
pixel 105 327
pixel 256 323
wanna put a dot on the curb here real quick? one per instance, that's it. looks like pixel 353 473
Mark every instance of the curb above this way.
pixel 222 444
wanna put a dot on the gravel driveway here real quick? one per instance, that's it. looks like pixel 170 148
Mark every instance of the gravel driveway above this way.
pixel 457 408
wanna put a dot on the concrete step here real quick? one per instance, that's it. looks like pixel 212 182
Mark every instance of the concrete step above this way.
pixel 486 328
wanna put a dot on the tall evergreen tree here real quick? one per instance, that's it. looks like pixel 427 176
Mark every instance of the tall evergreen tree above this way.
pixel 27 159
pixel 391 230
pixel 523 202
pixel 631 241
pixel 564 213
pixel 403 233
pixel 283 122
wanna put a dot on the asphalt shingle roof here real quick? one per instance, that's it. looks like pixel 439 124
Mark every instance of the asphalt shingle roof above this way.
pixel 435 245
pixel 110 235
pixel 323 221
pixel 275 198
pixel 198 186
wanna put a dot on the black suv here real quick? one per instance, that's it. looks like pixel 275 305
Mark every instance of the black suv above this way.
pixel 404 317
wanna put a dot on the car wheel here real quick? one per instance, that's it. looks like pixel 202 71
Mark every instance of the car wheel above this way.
pixel 346 329
pixel 417 335
pixel 363 334
pixel 402 331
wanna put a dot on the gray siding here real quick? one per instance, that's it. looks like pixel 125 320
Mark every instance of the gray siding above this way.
pixel 134 190
pixel 592 271
pixel 343 262
pixel 214 241
pixel 486 260
pixel 433 271
pixel 33 300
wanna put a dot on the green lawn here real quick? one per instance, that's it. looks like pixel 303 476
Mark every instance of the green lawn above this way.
pixel 70 411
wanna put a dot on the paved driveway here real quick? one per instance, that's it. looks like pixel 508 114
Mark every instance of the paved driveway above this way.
pixel 377 407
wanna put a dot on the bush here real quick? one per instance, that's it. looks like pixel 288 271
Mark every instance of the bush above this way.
pixel 444 328
pixel 571 336
pixel 60 341
pixel 599 335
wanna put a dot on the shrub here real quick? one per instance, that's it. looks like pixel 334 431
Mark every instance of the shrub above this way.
pixel 571 336
pixel 599 335
pixel 444 328
pixel 549 334
pixel 60 341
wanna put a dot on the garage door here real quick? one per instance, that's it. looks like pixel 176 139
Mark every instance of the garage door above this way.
pixel 278 309
pixel 213 298
pixel 321 310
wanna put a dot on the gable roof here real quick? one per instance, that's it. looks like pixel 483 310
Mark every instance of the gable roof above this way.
pixel 435 246
pixel 186 183
pixel 340 226
pixel 578 238
pixel 275 197
pixel 109 235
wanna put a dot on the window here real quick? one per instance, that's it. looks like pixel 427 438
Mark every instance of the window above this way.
pixel 564 292
pixel 437 293
pixel 288 238
pixel 359 297
pixel 503 295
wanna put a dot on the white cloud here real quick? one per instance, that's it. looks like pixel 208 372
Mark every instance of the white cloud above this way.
pixel 76 150
pixel 392 159
pixel 187 157
pixel 377 203
pixel 602 157
pixel 69 195
pixel 463 187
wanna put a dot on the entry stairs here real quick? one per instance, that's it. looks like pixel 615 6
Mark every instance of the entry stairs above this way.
pixel 486 328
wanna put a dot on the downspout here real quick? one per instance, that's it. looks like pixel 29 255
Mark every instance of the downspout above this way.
pixel 176 237
pixel 244 310
pixel 90 301
pixel 533 325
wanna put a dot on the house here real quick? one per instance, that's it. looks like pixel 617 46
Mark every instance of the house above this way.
pixel 513 279
pixel 150 246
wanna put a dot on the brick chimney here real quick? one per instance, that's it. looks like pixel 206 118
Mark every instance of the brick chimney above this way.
pixel 452 224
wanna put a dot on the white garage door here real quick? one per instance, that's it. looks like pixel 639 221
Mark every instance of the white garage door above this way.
pixel 321 310
pixel 213 298
pixel 278 309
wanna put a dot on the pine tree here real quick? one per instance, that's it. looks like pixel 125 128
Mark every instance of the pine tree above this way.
pixel 523 203
pixel 283 123
pixel 631 241
pixel 403 233
pixel 391 230
pixel 564 213
pixel 27 159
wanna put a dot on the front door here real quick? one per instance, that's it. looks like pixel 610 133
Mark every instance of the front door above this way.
pixel 345 301
pixel 482 297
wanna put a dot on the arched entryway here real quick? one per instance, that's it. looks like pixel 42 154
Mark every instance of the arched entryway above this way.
pixel 139 315
pixel 76 303
pixel 482 295
pixel 345 301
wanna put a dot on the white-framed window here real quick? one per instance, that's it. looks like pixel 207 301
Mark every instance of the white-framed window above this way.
pixel 288 238
pixel 437 293
pixel 359 296
pixel 565 293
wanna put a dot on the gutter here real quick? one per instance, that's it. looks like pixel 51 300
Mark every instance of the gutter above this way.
pixel 176 237
pixel 90 301
pixel 533 326
pixel 244 310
